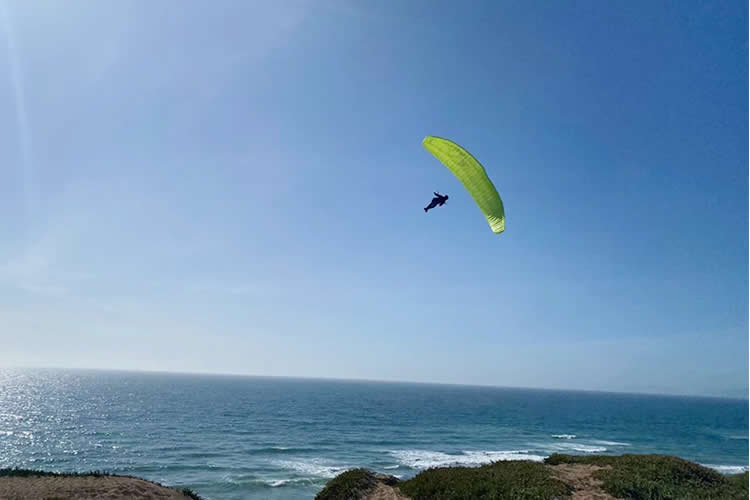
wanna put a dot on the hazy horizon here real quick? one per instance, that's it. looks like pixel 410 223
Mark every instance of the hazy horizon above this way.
pixel 742 397
pixel 239 189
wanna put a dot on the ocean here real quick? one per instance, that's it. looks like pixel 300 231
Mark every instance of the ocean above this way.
pixel 231 437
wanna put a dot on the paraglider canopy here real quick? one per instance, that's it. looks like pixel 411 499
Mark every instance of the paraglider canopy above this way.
pixel 472 175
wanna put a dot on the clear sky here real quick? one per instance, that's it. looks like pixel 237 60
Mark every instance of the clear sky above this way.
pixel 237 187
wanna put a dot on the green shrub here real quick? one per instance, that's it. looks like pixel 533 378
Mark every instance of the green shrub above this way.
pixel 655 477
pixel 348 485
pixel 519 480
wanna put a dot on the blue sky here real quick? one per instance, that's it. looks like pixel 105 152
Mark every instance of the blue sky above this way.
pixel 238 187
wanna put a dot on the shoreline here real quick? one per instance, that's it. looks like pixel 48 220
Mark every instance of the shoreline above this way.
pixel 558 476
pixel 283 440
pixel 574 477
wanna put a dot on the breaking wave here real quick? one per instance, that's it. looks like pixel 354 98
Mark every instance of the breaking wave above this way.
pixel 564 436
pixel 728 469
pixel 424 459
pixel 313 467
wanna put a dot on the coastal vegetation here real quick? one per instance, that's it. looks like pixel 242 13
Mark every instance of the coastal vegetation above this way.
pixel 647 477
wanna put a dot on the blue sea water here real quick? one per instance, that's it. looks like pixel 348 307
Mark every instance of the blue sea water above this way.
pixel 256 438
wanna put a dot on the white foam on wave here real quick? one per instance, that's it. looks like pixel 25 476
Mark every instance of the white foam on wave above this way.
pixel 278 482
pixel 424 459
pixel 390 467
pixel 252 480
pixel 728 469
pixel 564 447
pixel 241 479
pixel 610 443
pixel 564 436
pixel 312 467
pixel 583 448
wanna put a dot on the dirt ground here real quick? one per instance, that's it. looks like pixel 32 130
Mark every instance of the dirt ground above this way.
pixel 580 477
pixel 83 487
pixel 384 492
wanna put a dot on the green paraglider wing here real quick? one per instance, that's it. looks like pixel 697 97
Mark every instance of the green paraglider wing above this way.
pixel 472 175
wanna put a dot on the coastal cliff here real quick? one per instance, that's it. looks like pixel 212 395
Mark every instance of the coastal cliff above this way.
pixel 558 477
pixel 25 484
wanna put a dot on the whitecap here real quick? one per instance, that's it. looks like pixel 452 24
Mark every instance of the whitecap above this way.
pixel 313 467
pixel 564 436
pixel 248 479
pixel 611 443
pixel 425 459
pixel 563 447
pixel 729 469
pixel 588 449
pixel 390 467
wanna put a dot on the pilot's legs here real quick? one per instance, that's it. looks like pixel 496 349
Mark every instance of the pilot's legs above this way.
pixel 432 204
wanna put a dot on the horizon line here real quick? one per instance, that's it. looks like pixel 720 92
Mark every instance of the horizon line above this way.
pixel 380 381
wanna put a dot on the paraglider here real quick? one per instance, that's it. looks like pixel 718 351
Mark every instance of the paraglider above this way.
pixel 438 201
pixel 472 175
